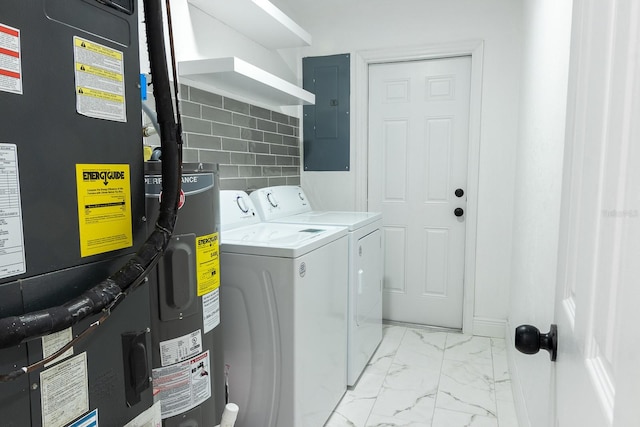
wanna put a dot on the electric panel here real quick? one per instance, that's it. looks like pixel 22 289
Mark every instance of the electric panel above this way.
pixel 326 125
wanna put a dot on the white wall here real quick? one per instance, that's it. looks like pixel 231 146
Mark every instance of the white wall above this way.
pixel 350 26
pixel 538 180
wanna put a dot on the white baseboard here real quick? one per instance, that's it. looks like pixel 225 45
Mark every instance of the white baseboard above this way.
pixel 487 327
pixel 516 386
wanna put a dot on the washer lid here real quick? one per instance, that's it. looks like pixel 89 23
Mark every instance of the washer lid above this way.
pixel 352 220
pixel 281 240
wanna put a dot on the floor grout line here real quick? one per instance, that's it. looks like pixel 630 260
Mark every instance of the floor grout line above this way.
pixel 444 352
pixel 493 369
pixel 386 373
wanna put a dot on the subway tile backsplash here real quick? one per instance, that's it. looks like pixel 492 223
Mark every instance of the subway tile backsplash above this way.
pixel 255 147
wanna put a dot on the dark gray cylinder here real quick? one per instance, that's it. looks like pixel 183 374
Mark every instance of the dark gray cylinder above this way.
pixel 186 334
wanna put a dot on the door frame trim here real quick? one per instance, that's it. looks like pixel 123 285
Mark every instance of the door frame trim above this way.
pixel 360 80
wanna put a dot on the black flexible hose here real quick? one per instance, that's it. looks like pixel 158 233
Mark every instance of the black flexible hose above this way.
pixel 108 293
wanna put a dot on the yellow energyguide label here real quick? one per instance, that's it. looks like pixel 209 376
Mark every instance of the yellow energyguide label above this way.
pixel 207 263
pixel 104 207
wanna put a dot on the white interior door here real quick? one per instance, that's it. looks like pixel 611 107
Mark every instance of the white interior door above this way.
pixel 598 298
pixel 418 144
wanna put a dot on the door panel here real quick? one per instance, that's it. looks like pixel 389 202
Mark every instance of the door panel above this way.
pixel 437 165
pixel 435 278
pixel 395 239
pixel 418 148
pixel 395 149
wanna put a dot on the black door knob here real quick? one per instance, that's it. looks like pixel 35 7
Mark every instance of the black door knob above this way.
pixel 458 212
pixel 459 192
pixel 529 340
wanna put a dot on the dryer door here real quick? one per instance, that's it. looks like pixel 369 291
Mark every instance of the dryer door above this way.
pixel 368 269
pixel 365 318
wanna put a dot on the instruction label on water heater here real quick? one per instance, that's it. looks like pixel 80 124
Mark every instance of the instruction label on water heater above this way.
pixel 12 258
pixel 182 386
pixel 99 72
pixel 181 348
pixel 104 208
pixel 211 310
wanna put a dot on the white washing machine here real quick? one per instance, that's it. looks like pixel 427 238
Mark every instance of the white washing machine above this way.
pixel 284 316
pixel 289 204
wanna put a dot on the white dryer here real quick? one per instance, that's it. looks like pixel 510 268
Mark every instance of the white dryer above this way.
pixel 289 204
pixel 283 292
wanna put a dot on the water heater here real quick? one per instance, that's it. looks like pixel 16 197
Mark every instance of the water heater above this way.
pixel 187 356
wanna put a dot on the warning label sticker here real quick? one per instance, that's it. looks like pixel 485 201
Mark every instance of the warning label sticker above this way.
pixel 64 391
pixel 211 310
pixel 10 60
pixel 99 72
pixel 54 342
pixel 181 348
pixel 89 420
pixel 182 386
pixel 12 257
pixel 104 208
pixel 207 263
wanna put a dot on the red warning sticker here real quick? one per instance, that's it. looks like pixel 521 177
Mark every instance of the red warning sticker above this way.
pixel 10 60
pixel 182 386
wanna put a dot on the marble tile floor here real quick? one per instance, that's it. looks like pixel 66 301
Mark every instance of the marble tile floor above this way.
pixel 421 377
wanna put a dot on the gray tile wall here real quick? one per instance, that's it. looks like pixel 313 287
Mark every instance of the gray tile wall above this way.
pixel 254 147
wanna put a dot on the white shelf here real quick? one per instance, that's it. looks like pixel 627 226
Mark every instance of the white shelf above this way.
pixel 259 20
pixel 233 75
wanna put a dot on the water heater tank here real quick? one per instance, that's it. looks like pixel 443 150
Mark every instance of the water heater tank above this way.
pixel 186 335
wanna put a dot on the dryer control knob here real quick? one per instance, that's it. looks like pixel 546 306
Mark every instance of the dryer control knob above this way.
pixel 272 200
pixel 242 204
